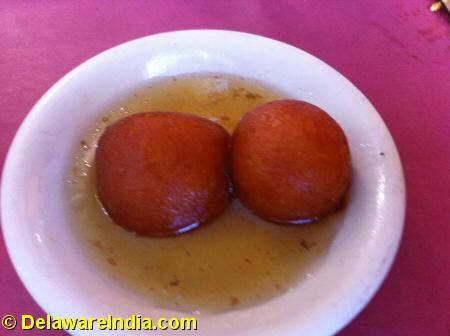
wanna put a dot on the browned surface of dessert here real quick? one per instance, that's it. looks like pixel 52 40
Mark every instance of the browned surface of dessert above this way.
pixel 163 173
pixel 291 162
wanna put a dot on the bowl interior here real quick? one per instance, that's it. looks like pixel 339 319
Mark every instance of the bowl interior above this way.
pixel 47 256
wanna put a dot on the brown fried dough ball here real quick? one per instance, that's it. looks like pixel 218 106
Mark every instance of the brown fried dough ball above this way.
pixel 161 173
pixel 290 162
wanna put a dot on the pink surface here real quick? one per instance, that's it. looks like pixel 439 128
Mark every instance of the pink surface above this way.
pixel 396 52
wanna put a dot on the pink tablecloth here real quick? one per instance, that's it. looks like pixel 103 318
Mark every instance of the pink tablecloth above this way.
pixel 396 52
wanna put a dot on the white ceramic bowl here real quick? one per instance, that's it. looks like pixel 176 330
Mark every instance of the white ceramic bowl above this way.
pixel 34 207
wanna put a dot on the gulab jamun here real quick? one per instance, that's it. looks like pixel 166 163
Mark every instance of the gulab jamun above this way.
pixel 163 173
pixel 290 162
